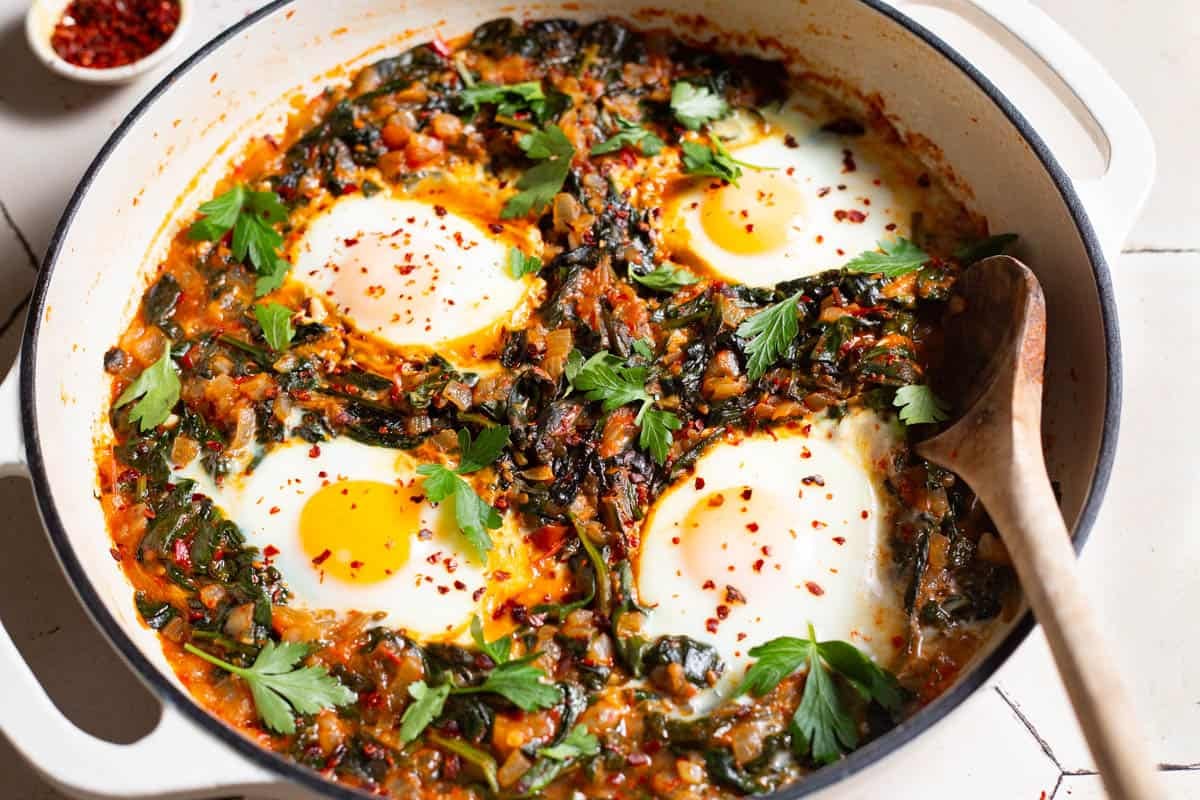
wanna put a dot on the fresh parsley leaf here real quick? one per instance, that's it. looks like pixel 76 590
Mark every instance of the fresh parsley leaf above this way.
pixel 665 278
pixel 695 105
pixel 271 279
pixel 473 516
pixel 539 185
pixel 606 378
pixel 822 725
pixel 427 706
pixel 629 134
pixel 508 98
pixel 577 743
pixel 919 405
pixel 573 366
pixel 521 684
pixel 644 348
pixel 898 258
pixel 252 216
pixel 280 690
pixel 985 248
pixel 655 436
pixel 475 455
pixel 775 660
pixel 613 383
pixel 220 214
pixel 158 389
pixel 716 162
pixel 520 265
pixel 770 332
pixel 498 651
pixel 276 322
pixel 870 680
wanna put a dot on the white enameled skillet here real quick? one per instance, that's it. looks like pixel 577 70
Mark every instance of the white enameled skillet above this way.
pixel 238 85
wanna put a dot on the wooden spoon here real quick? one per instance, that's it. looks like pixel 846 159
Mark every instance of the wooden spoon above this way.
pixel 996 448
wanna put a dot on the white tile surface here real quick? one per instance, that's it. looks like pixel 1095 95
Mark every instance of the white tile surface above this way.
pixel 1143 562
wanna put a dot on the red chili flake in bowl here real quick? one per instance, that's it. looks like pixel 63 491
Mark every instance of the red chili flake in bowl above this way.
pixel 101 34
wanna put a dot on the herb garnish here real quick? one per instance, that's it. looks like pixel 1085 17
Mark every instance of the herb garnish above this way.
pixel 606 378
pixel 252 216
pixel 539 185
pixel 498 651
pixel 919 405
pixel 276 322
pixel 158 389
pixel 516 681
pixel 822 725
pixel 715 162
pixel 695 105
pixel 520 265
pixel 280 690
pixel 898 258
pixel 665 278
pixel 770 332
pixel 629 134
pixel 509 98
pixel 473 515
pixel 578 742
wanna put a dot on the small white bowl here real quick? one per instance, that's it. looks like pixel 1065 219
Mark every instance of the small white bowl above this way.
pixel 43 17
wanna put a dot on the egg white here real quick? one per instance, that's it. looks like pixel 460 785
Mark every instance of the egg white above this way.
pixel 812 200
pixel 799 536
pixel 432 595
pixel 408 271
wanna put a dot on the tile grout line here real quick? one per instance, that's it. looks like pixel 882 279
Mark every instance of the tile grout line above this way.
pixel 12 223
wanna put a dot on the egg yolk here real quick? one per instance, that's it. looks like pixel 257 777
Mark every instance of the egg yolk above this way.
pixel 722 530
pixel 754 216
pixel 360 531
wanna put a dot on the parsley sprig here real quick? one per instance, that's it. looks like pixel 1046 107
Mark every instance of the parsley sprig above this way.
pixel 276 323
pixel 517 681
pixel 919 405
pixel 473 515
pixel 695 105
pixel 280 689
pixel 897 258
pixel 498 651
pixel 539 185
pixel 252 216
pixel 156 391
pixel 770 332
pixel 520 265
pixel 822 726
pixel 629 134
pixel 614 383
pixel 509 99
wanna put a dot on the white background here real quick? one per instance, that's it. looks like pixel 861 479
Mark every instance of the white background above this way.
pixel 1016 739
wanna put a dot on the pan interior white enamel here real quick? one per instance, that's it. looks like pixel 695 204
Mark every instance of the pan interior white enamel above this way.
pixel 242 88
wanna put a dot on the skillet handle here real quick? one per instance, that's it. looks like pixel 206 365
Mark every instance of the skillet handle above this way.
pixel 1112 200
pixel 175 760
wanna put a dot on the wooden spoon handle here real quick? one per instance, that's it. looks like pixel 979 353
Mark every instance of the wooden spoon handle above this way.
pixel 1031 527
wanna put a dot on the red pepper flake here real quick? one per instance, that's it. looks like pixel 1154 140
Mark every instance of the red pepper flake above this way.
pixel 722 612
pixel 314 451
pixel 839 540
pixel 813 480
pixel 709 584
pixel 477 594
pixel 439 210
pixel 270 551
pixel 790 141
pixel 350 242
pixel 823 191
pixel 321 559
pixel 758 565
pixel 443 590
pixel 752 527
pixel 440 47
pixel 699 484
pixel 274 509
pixel 814 588
pixel 848 164
pixel 711 624
pixel 853 215
pixel 865 513
pixel 732 595
pixel 102 34
pixel 460 586
pixel 817 524
pixel 674 540
pixel 356 564
pixel 897 642
pixel 747 493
